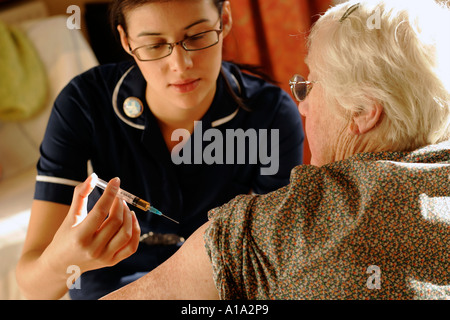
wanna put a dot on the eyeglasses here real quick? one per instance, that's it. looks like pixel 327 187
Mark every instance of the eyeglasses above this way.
pixel 199 41
pixel 300 87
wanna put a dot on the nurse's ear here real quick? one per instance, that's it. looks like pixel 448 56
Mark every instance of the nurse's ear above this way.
pixel 227 20
pixel 124 39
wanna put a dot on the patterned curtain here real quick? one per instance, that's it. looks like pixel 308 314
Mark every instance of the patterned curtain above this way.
pixel 272 34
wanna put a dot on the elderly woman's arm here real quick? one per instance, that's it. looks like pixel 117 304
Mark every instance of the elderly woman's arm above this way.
pixel 186 275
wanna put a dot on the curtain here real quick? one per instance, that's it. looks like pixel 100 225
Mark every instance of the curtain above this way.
pixel 272 34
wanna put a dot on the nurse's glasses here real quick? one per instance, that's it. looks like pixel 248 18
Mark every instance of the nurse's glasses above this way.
pixel 196 42
pixel 300 87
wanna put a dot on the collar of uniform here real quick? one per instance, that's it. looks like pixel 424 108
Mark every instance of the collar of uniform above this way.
pixel 224 108
pixel 130 84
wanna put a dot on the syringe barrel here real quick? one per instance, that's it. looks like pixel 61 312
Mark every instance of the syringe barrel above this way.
pixel 128 197
pixel 141 204
pixel 133 200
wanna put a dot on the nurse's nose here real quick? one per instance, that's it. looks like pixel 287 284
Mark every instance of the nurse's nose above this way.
pixel 180 60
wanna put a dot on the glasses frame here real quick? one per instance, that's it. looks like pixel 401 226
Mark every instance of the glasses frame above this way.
pixel 308 85
pixel 182 42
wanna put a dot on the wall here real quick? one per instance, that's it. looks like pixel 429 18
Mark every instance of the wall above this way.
pixel 57 7
pixel 272 34
pixel 60 6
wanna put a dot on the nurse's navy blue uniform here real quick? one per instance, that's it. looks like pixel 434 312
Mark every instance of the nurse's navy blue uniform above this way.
pixel 89 129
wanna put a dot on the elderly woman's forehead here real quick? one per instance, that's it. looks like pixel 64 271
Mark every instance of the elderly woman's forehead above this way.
pixel 307 58
pixel 315 53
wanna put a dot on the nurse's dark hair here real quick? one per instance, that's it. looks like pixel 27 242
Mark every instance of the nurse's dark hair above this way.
pixel 118 8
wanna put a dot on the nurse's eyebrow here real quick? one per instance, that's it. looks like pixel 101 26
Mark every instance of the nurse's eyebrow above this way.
pixel 147 33
pixel 195 23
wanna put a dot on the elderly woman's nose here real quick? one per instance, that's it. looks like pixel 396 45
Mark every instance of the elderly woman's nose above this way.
pixel 303 107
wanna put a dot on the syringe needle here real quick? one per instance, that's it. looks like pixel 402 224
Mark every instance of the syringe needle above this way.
pixel 170 218
pixel 156 211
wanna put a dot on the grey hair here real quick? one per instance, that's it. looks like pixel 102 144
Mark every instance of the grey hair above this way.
pixel 394 53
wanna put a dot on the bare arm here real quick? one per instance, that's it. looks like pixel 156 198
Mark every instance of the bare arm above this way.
pixel 33 273
pixel 186 275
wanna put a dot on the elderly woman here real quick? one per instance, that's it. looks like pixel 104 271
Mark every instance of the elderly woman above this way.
pixel 370 218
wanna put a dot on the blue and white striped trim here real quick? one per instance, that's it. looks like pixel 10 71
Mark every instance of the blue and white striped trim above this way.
pixel 63 181
pixel 142 127
pixel 225 119
pixel 116 107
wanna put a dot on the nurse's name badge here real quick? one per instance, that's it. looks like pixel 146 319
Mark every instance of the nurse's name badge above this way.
pixel 133 107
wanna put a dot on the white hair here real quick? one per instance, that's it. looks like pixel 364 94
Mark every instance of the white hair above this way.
pixel 394 53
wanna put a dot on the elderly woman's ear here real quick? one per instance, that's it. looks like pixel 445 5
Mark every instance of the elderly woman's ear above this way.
pixel 366 120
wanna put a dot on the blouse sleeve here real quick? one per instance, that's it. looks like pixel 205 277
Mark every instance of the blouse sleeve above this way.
pixel 225 241
pixel 249 238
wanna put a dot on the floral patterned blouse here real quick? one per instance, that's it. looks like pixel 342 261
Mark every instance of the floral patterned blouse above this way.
pixel 373 226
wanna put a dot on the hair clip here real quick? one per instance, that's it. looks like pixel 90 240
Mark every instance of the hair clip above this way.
pixel 349 11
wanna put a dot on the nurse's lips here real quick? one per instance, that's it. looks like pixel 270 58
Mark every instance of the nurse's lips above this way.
pixel 185 85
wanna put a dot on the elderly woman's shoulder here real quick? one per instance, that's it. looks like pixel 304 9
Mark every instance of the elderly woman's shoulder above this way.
pixel 374 169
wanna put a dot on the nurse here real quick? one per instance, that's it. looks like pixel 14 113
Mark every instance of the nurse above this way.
pixel 119 120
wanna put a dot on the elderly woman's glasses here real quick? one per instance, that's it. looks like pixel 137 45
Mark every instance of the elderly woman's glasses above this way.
pixel 196 42
pixel 300 87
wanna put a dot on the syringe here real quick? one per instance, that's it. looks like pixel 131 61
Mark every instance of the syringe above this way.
pixel 133 200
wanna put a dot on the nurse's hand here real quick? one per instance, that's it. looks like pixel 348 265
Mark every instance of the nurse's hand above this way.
pixel 104 237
